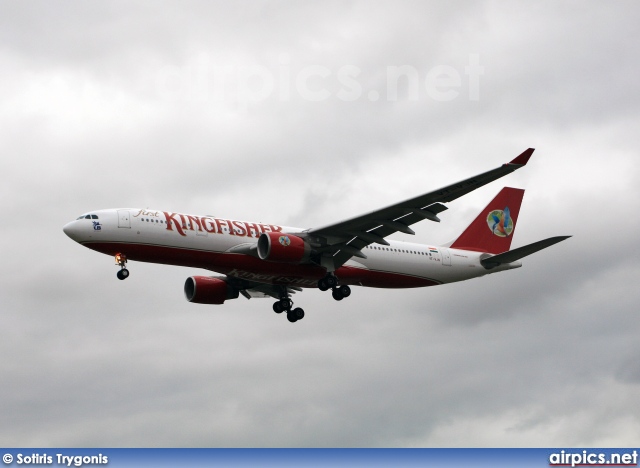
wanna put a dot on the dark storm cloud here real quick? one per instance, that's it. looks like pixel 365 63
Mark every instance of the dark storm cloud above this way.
pixel 114 105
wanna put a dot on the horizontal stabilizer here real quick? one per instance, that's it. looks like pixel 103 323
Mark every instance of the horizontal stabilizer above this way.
pixel 517 254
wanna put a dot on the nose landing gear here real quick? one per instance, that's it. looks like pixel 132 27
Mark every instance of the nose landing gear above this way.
pixel 121 260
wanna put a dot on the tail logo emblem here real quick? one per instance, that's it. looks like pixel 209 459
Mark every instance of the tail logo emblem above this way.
pixel 500 222
pixel 284 240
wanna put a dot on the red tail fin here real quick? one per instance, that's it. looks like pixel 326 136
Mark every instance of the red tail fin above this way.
pixel 493 229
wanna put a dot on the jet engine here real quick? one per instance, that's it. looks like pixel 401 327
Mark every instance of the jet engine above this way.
pixel 284 248
pixel 208 290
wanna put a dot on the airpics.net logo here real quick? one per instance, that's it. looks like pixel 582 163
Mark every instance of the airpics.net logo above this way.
pixel 588 458
pixel 206 79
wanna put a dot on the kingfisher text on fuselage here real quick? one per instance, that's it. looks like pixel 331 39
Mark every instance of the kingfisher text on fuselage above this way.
pixel 209 224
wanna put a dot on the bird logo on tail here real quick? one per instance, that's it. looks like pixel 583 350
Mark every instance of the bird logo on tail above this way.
pixel 500 222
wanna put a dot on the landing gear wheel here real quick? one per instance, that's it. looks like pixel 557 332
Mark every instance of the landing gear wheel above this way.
pixel 286 303
pixel 331 280
pixel 322 285
pixel 291 317
pixel 337 295
pixel 277 307
pixel 298 313
pixel 121 261
pixel 345 290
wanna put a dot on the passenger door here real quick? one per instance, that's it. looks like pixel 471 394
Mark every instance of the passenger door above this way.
pixel 124 220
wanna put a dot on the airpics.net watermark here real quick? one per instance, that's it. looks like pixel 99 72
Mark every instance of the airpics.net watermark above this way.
pixel 593 458
pixel 245 85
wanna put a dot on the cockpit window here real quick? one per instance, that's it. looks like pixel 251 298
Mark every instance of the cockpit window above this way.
pixel 89 216
pixel 94 216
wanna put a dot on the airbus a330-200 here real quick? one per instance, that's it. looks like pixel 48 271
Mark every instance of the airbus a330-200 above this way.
pixel 271 260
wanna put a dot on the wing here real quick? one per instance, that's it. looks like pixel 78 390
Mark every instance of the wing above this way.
pixel 252 289
pixel 340 241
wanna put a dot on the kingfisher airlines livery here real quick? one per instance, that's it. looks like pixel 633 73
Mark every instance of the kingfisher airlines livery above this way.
pixel 270 260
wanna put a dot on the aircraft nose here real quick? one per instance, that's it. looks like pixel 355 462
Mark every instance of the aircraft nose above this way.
pixel 71 229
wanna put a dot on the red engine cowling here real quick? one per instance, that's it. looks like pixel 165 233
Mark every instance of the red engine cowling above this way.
pixel 208 290
pixel 284 248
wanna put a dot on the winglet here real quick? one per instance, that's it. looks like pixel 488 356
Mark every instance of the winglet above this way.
pixel 523 158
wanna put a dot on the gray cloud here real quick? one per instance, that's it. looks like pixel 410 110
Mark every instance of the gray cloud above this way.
pixel 114 105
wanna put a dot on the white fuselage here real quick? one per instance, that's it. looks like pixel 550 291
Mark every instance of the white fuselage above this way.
pixel 217 245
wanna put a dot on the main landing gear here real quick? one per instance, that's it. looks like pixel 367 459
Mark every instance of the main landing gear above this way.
pixel 121 260
pixel 285 303
pixel 331 282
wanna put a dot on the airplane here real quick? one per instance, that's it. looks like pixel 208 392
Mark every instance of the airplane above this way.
pixel 268 260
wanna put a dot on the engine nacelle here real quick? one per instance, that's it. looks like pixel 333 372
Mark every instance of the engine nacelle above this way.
pixel 208 290
pixel 283 248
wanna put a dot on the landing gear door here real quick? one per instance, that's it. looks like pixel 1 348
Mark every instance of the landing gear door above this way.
pixel 124 221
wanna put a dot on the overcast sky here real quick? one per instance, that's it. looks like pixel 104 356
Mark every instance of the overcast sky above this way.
pixel 305 113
